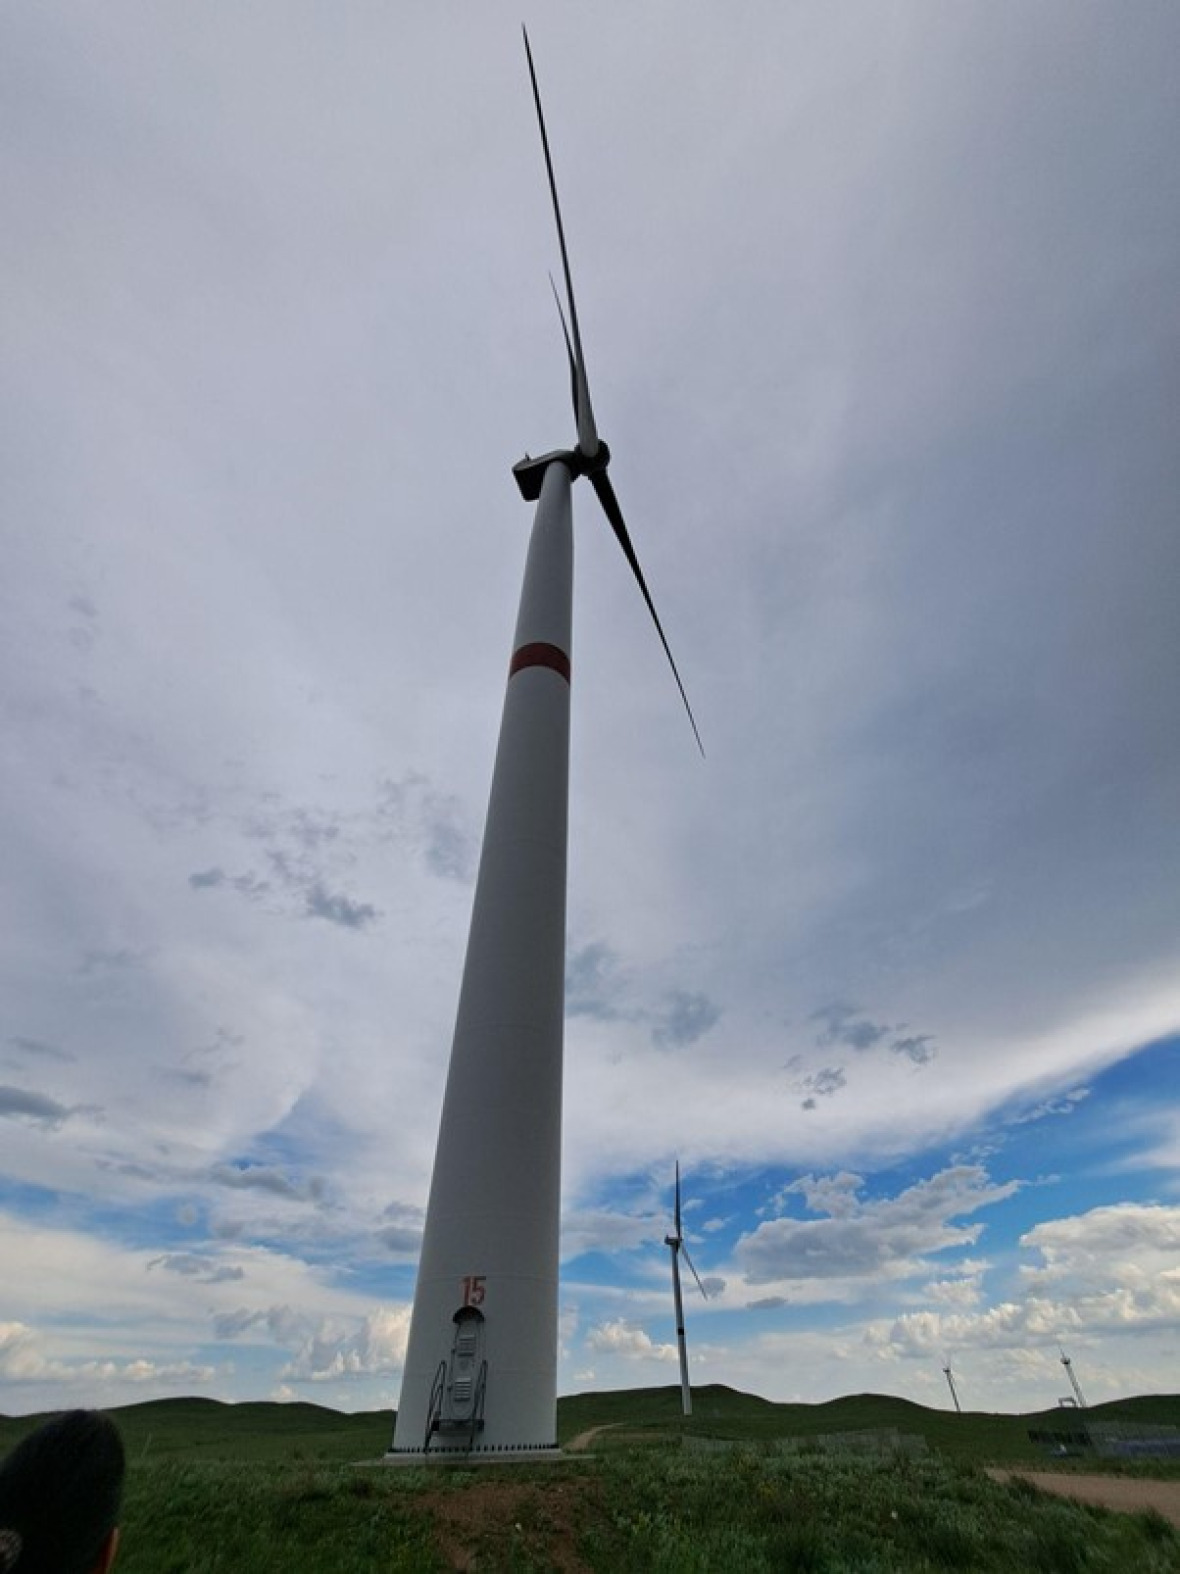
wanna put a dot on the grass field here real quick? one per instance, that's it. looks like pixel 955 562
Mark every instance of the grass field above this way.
pixel 259 1488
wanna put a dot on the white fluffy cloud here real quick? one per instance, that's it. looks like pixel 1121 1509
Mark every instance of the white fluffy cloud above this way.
pixel 860 1243
pixel 629 1340
pixel 1110 1271
pixel 23 1360
pixel 333 1351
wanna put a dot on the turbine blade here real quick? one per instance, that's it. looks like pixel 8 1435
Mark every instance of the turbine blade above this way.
pixel 695 1274
pixel 569 349
pixel 583 414
pixel 601 483
pixel 679 1232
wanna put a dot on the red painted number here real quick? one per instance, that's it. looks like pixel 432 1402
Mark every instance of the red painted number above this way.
pixel 474 1287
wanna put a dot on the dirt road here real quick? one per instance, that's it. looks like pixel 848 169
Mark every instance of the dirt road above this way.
pixel 1119 1492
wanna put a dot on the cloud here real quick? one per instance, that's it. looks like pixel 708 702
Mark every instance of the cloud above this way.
pixel 38 1047
pixel 687 1017
pixel 22 1360
pixel 122 959
pixel 918 1047
pixel 433 823
pixel 263 1177
pixel 403 1233
pixel 593 984
pixel 1110 1271
pixel 620 1337
pixel 1064 1104
pixel 18 1104
pixel 377 1348
pixel 966 1291
pixel 823 1084
pixel 207 879
pixel 860 1243
pixel 286 1325
pixel 339 909
pixel 193 1266
pixel 1134 1242
pixel 609 1230
pixel 844 1025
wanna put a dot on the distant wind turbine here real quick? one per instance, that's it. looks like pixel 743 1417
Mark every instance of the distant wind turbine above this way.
pixel 949 1375
pixel 1073 1381
pixel 480 1375
pixel 676 1242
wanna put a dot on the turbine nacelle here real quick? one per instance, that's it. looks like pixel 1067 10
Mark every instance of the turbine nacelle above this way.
pixel 530 472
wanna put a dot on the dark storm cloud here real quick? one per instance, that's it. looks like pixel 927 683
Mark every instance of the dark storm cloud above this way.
pixel 339 909
pixel 20 1104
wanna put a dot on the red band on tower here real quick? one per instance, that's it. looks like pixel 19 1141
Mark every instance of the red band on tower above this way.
pixel 540 655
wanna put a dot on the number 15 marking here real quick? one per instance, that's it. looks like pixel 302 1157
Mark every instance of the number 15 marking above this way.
pixel 474 1289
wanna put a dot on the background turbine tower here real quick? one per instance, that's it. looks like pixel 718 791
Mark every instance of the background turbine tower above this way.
pixel 950 1379
pixel 481 1363
pixel 676 1242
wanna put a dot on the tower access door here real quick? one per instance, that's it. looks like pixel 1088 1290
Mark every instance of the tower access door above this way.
pixel 456 1401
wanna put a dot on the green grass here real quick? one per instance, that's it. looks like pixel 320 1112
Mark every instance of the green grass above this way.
pixel 213 1488
pixel 652 1511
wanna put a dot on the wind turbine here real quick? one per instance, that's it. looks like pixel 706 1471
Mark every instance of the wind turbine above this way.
pixel 950 1378
pixel 480 1375
pixel 676 1242
pixel 1073 1382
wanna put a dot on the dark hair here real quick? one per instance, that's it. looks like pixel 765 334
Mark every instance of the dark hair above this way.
pixel 60 1490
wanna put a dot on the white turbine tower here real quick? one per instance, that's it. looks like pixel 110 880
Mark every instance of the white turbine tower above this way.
pixel 950 1378
pixel 481 1365
pixel 676 1242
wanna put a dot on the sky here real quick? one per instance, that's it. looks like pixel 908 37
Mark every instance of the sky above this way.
pixel 881 312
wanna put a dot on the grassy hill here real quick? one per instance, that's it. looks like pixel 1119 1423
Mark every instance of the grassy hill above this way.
pixel 205 1429
pixel 724 1413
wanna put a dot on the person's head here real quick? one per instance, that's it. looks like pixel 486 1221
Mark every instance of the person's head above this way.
pixel 60 1490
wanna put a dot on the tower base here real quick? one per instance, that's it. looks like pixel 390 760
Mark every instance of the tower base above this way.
pixel 419 1458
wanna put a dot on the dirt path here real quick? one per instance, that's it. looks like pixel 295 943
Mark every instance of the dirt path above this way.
pixel 1118 1492
pixel 580 1443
